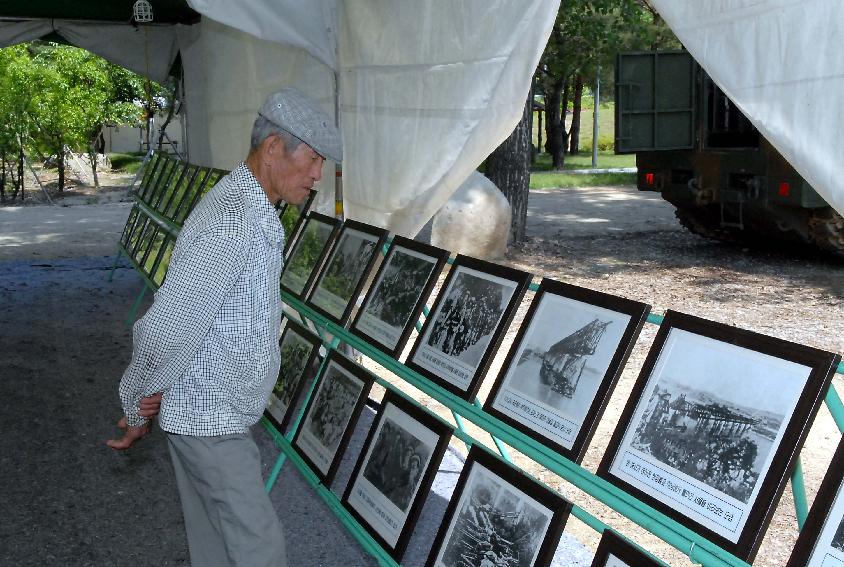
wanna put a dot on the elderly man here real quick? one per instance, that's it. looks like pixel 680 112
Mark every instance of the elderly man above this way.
pixel 206 353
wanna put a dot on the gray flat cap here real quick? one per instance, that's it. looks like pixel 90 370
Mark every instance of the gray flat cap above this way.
pixel 299 115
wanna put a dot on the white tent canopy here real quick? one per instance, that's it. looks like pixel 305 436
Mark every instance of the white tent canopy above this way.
pixel 426 90
pixel 147 50
pixel 779 62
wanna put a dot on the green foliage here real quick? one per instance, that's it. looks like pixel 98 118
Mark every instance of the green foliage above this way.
pixel 56 96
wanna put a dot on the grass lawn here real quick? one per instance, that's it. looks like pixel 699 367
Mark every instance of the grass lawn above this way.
pixel 546 180
pixel 541 175
pixel 128 163
pixel 583 160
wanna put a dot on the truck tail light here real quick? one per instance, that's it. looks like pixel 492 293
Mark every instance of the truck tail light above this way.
pixel 649 178
pixel 784 189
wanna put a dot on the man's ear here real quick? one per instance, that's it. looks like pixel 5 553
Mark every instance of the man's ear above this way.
pixel 275 145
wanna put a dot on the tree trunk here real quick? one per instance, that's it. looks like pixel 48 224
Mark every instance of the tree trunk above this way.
pixel 61 169
pixel 554 122
pixel 577 105
pixel 539 133
pixel 92 154
pixel 509 168
pixel 3 176
pixel 21 157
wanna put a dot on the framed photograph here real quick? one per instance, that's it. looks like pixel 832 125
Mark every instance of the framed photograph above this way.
pixel 395 471
pixel 615 551
pixel 331 414
pixel 498 516
pixel 461 335
pixel 349 262
pixel 396 298
pixel 292 217
pixel 713 425
pixel 308 254
pixel 299 348
pixel 564 363
pixel 821 541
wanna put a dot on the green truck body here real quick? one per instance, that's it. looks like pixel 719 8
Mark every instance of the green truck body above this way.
pixel 695 147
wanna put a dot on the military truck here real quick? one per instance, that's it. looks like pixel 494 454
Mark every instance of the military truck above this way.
pixel 696 148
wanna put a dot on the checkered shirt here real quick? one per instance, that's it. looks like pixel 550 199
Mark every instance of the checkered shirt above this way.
pixel 210 339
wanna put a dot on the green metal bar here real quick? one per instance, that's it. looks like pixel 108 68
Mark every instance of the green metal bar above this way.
pixel 116 261
pixel 357 531
pixel 836 408
pixel 462 428
pixel 134 311
pixel 140 269
pixel 798 490
pixel 271 480
pixel 157 218
pixel 498 444
pixel 655 319
pixel 654 521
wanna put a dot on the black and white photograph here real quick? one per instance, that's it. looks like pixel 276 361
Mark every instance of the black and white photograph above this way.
pixel 563 364
pixel 299 348
pixel 497 517
pixel 467 324
pixel 713 423
pixel 395 470
pixel 308 254
pixel 615 551
pixel 350 260
pixel 331 413
pixel 821 540
pixel 394 301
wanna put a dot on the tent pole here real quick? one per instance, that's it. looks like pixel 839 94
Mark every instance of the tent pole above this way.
pixel 338 170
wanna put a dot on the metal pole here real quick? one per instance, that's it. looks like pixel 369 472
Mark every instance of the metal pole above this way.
pixel 338 170
pixel 595 105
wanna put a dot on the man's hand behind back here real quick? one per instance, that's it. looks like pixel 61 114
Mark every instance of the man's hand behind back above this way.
pixel 148 408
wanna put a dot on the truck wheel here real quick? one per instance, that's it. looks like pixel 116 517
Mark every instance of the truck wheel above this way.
pixel 826 228
pixel 703 224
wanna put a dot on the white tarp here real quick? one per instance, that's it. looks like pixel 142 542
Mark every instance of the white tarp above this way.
pixel 778 61
pixel 308 25
pixel 427 89
pixel 228 73
pixel 148 50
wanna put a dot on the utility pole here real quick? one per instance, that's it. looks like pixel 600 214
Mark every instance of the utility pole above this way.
pixel 595 105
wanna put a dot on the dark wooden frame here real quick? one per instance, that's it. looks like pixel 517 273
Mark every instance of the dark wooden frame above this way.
pixel 380 237
pixel 439 257
pixel 818 516
pixel 638 313
pixel 519 278
pixel 361 374
pixel 315 269
pixel 560 508
pixel 426 420
pixel 760 511
pixel 302 381
pixel 613 543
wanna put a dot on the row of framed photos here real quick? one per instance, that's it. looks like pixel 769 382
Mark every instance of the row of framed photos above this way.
pixel 715 420
pixel 497 515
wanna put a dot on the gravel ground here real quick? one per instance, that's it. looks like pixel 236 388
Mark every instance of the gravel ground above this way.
pixel 610 239
pixel 641 253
